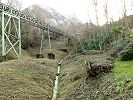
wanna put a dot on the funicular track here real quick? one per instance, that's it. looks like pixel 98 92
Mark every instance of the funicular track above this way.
pixel 10 15
pixel 28 19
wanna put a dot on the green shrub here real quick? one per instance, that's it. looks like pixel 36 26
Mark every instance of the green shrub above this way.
pixel 126 55
pixel 24 45
pixel 79 49
pixel 120 42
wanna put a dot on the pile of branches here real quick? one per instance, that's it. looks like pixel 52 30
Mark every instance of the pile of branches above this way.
pixel 98 66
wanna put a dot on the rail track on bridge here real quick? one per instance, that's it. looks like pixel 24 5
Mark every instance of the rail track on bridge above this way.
pixel 11 17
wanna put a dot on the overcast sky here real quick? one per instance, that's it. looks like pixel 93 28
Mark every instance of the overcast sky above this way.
pixel 82 8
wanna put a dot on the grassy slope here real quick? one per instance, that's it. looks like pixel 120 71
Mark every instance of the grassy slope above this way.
pixel 123 73
pixel 123 68
pixel 113 86
pixel 27 79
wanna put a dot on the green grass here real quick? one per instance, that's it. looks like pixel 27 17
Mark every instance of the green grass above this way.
pixel 123 73
pixel 123 68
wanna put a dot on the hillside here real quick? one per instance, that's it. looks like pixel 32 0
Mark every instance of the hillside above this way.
pixel 45 14
pixel 74 83
pixel 27 79
pixel 84 61
pixel 32 79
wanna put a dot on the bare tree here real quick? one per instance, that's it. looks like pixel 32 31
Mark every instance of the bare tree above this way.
pixel 125 13
pixel 124 8
pixel 98 31
pixel 15 4
pixel 95 5
pixel 106 15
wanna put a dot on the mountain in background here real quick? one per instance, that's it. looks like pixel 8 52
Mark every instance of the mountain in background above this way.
pixel 68 24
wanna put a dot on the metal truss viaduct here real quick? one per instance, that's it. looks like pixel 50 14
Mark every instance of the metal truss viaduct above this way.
pixel 11 34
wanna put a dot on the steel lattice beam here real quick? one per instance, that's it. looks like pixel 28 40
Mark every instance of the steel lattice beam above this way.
pixel 7 37
pixel 10 16
pixel 26 18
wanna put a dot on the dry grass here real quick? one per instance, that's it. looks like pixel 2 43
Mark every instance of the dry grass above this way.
pixel 73 84
pixel 27 79
pixel 73 72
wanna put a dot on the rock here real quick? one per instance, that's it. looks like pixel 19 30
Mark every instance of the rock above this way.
pixel 130 85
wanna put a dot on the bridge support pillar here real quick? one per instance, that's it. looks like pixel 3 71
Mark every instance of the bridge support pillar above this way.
pixel 11 35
